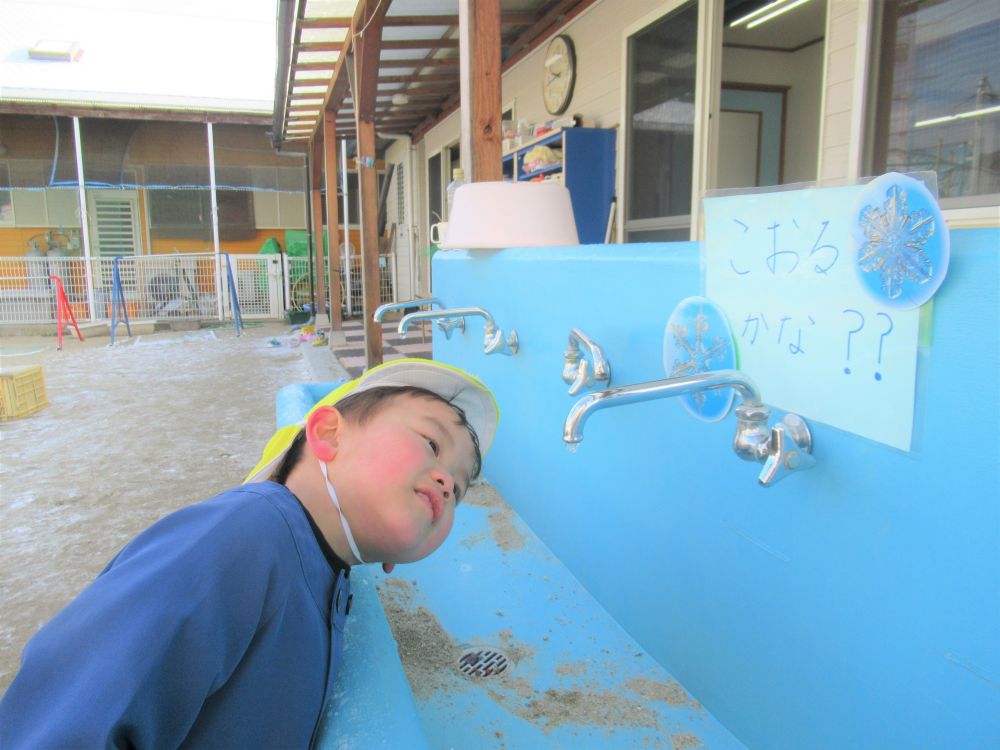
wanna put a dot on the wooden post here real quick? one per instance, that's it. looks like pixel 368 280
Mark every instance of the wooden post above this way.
pixel 366 59
pixel 316 204
pixel 333 225
pixel 480 88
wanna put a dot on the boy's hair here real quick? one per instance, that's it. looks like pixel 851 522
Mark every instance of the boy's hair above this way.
pixel 359 408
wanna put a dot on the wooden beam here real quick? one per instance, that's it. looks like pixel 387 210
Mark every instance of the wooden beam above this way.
pixel 556 18
pixel 424 78
pixel 561 14
pixel 420 44
pixel 386 63
pixel 316 205
pixel 419 62
pixel 481 90
pixel 366 54
pixel 325 23
pixel 422 89
pixel 330 174
pixel 320 46
pixel 516 19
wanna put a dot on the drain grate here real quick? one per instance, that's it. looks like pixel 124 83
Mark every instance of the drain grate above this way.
pixel 482 662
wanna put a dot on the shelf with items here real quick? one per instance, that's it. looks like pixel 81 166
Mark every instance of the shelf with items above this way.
pixel 585 165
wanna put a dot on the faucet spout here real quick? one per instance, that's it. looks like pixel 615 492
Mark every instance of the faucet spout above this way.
pixel 458 312
pixel 783 449
pixel 631 394
pixel 381 310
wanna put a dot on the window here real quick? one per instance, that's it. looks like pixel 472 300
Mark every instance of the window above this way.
pixel 187 214
pixel 434 190
pixel 662 62
pixel 6 196
pixel 937 97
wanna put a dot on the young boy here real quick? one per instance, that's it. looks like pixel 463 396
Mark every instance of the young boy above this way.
pixel 221 625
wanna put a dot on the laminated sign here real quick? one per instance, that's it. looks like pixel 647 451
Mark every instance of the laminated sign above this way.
pixel 822 288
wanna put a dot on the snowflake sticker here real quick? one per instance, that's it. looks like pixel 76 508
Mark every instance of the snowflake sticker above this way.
pixel 698 339
pixel 902 241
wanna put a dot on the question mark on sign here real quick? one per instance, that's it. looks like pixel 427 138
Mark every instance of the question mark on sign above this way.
pixel 861 324
pixel 881 341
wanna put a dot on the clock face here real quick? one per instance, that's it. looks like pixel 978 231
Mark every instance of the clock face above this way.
pixel 559 74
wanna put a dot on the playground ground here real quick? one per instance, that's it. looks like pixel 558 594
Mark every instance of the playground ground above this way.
pixel 132 433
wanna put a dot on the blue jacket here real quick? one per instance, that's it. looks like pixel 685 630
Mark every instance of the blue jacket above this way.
pixel 210 629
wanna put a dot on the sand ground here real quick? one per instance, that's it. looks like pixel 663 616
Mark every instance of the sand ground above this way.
pixel 132 433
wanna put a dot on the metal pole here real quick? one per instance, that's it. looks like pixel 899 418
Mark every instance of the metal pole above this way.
pixel 347 228
pixel 215 218
pixel 84 223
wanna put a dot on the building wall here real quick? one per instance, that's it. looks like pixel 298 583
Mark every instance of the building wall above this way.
pixel 799 71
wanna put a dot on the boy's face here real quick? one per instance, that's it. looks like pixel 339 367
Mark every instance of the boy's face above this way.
pixel 398 474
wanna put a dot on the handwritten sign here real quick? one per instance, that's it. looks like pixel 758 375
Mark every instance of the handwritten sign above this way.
pixel 780 265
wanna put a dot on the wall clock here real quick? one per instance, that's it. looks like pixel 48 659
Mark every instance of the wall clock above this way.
pixel 559 74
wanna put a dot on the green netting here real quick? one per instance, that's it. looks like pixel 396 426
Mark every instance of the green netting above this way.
pixel 297 243
pixel 270 247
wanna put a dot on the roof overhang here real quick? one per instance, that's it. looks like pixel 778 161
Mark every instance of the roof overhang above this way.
pixel 418 74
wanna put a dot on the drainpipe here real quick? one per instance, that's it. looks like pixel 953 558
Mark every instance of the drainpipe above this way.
pixel 286 11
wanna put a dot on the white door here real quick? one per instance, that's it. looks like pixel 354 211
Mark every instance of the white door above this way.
pixel 114 230
pixel 114 222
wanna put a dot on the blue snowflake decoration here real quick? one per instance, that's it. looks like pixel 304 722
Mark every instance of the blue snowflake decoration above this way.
pixel 698 339
pixel 902 241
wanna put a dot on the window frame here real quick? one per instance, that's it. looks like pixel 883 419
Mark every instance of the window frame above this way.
pixel 708 77
pixel 5 187
pixel 967 211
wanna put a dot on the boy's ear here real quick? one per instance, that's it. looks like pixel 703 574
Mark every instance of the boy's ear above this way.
pixel 322 432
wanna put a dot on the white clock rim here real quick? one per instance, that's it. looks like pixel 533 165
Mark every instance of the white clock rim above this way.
pixel 566 95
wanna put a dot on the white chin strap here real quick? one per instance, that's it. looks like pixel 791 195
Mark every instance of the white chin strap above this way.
pixel 343 518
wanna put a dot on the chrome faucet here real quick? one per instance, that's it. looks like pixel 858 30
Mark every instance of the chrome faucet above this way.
pixel 782 449
pixel 580 372
pixel 381 310
pixel 494 341
pixel 445 323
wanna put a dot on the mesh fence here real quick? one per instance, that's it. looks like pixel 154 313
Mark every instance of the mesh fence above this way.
pixel 163 287
pixel 299 291
pixel 148 198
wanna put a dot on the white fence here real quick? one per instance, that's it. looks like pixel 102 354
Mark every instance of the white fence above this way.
pixel 188 286
pixel 351 296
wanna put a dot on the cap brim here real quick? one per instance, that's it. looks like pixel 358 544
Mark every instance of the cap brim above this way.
pixel 452 384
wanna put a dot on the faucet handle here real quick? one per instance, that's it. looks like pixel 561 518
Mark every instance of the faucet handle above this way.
pixel 494 342
pixel 450 324
pixel 581 377
pixel 788 450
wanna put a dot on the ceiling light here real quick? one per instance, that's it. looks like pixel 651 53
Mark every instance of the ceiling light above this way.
pixel 55 49
pixel 776 13
pixel 753 14
pixel 400 99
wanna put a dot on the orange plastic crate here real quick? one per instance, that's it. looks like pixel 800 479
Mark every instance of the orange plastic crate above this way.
pixel 22 391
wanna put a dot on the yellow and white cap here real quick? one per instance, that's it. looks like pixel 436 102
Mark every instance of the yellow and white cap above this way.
pixel 455 386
